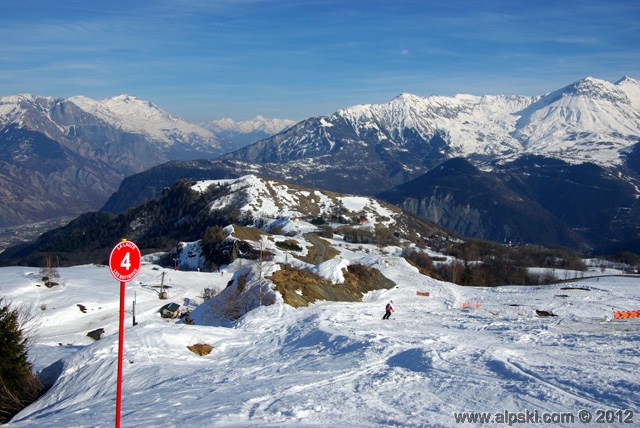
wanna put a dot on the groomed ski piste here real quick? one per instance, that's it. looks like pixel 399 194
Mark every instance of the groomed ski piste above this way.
pixel 458 350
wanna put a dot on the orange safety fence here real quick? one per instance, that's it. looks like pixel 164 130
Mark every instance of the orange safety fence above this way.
pixel 422 293
pixel 471 304
pixel 626 314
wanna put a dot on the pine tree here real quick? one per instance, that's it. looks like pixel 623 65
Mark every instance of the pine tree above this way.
pixel 18 384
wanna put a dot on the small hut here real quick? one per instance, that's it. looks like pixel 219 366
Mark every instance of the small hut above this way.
pixel 170 310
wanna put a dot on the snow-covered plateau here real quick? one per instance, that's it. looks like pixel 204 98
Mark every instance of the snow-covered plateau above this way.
pixel 459 349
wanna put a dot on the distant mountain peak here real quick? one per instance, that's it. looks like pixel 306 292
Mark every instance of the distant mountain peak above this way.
pixel 587 83
pixel 139 116
pixel 631 87
pixel 590 120
pixel 627 79
pixel 597 89
pixel 123 97
pixel 258 123
pixel 407 97
pixel 135 101
pixel 26 97
pixel 236 134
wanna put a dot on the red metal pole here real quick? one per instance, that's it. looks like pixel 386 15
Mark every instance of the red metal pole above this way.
pixel 120 349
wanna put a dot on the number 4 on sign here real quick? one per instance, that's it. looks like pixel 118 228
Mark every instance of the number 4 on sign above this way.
pixel 126 261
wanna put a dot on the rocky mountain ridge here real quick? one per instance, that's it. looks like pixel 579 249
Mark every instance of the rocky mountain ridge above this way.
pixel 124 131
pixel 530 200
pixel 188 210
pixel 583 137
pixel 591 120
pixel 62 157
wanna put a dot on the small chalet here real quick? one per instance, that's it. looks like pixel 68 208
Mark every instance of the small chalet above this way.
pixel 170 310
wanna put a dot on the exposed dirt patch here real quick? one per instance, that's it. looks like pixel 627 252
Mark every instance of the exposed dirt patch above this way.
pixel 320 251
pixel 306 202
pixel 247 233
pixel 301 287
pixel 200 349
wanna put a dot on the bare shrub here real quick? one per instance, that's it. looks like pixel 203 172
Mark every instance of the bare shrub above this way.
pixel 384 236
pixel 356 235
pixel 326 232
pixel 418 258
pixel 50 275
pixel 289 245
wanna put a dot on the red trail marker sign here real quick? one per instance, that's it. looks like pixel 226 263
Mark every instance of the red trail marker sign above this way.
pixel 124 263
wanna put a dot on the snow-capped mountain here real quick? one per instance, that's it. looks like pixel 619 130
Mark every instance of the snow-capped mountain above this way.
pixel 72 120
pixel 142 117
pixel 368 149
pixel 631 87
pixel 96 144
pixel 257 124
pixel 364 149
pixel 471 125
pixel 590 120
pixel 237 134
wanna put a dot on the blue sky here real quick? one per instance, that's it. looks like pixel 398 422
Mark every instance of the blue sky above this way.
pixel 238 58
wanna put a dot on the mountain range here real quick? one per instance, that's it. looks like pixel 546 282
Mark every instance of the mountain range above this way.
pixel 388 144
pixel 558 170
pixel 67 156
pixel 127 133
pixel 549 154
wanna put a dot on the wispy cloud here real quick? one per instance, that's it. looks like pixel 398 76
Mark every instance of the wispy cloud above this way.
pixel 312 55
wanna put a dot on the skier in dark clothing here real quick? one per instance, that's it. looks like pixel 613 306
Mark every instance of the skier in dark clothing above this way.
pixel 388 310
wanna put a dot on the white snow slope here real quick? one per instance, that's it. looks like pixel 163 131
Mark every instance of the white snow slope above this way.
pixel 334 363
